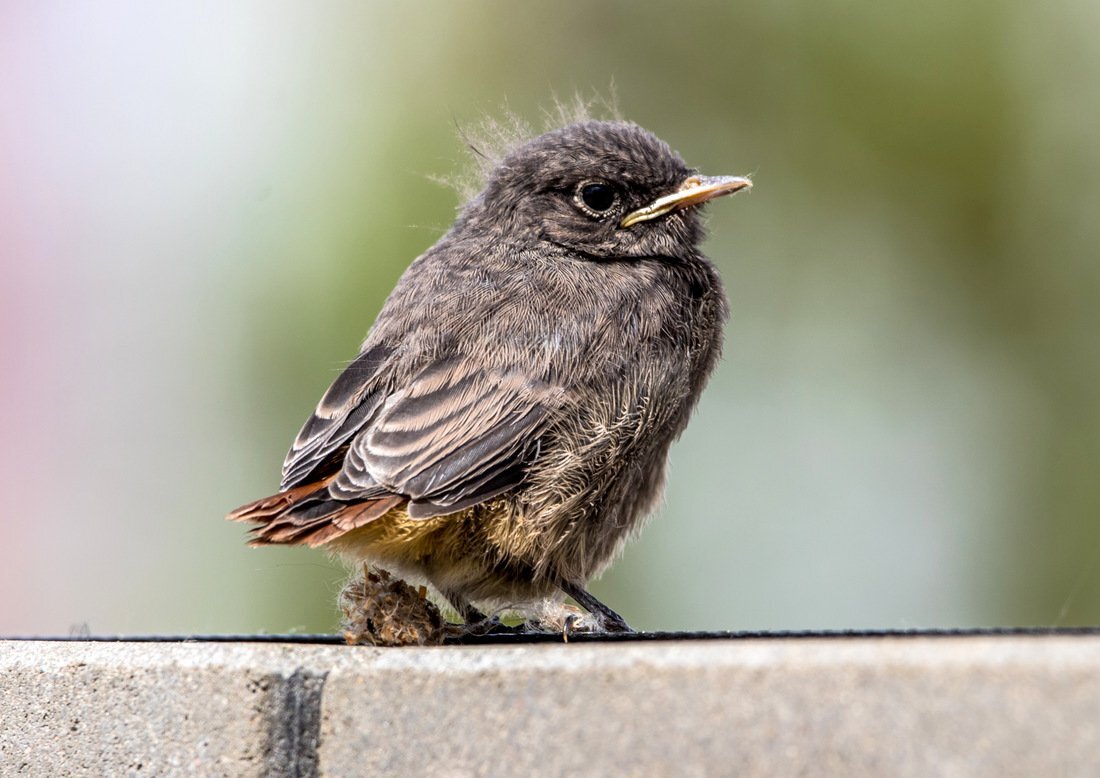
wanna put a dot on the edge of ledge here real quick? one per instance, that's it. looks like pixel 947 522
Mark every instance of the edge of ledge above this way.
pixel 606 637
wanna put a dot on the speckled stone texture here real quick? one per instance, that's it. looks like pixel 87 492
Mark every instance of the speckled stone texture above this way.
pixel 967 706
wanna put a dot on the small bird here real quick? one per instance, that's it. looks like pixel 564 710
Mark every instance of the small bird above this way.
pixel 506 426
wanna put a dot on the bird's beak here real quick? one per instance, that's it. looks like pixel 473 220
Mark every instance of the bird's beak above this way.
pixel 694 190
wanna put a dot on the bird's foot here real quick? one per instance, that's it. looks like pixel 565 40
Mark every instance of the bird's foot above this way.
pixel 489 625
pixel 606 620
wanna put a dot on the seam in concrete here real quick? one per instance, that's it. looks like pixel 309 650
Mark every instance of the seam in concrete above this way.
pixel 294 733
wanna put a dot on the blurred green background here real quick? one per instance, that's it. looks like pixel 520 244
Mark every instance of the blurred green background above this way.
pixel 202 207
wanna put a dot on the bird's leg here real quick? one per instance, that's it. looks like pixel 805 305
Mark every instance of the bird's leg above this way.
pixel 465 609
pixel 476 622
pixel 609 620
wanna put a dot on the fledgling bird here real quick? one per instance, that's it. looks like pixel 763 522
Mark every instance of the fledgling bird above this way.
pixel 506 425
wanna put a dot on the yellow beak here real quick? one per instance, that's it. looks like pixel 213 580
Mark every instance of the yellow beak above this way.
pixel 694 190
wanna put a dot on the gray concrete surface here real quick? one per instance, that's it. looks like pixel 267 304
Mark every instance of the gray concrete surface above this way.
pixel 966 706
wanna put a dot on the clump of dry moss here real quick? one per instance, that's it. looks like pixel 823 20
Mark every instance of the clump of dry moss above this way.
pixel 385 611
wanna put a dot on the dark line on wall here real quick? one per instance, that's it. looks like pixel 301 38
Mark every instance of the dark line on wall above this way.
pixel 294 726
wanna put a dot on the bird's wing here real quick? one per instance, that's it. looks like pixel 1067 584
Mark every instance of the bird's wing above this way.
pixel 451 438
pixel 348 404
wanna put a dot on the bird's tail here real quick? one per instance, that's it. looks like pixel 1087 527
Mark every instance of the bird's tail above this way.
pixel 307 515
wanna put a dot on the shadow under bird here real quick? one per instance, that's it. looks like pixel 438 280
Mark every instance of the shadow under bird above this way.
pixel 506 425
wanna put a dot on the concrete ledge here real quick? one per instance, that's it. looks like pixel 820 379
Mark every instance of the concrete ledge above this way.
pixel 874 706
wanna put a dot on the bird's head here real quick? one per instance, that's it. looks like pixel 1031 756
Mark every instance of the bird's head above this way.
pixel 601 189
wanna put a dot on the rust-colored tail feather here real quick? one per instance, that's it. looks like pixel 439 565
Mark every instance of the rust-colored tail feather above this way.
pixel 307 515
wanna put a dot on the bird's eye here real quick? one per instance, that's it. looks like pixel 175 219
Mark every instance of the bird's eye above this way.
pixel 597 198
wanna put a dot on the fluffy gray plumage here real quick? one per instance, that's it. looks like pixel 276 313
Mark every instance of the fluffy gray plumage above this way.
pixel 506 425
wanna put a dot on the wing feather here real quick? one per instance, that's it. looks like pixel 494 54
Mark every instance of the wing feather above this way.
pixel 451 438
pixel 343 411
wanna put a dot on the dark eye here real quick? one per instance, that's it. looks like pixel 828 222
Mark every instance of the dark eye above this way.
pixel 597 198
